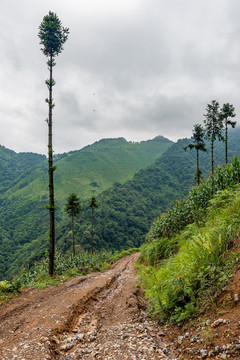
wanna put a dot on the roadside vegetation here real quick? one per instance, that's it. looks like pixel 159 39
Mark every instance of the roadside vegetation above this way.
pixel 187 259
pixel 66 266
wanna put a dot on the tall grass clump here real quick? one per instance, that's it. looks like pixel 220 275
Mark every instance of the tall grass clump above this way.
pixel 180 285
pixel 185 262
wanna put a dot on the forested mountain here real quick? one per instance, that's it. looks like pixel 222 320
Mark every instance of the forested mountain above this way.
pixel 125 211
pixel 24 184
pixel 91 169
pixel 13 166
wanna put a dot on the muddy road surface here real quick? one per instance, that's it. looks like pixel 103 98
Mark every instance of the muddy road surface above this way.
pixel 98 316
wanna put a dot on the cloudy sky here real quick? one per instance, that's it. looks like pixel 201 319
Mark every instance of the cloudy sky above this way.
pixel 130 68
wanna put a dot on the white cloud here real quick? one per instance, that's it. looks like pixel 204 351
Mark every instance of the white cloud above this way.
pixel 152 65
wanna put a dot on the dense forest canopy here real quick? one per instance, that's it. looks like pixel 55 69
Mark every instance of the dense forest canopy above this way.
pixel 126 209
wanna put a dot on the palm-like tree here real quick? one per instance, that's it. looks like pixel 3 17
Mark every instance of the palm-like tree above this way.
pixel 199 145
pixel 73 208
pixel 52 37
pixel 227 112
pixel 213 126
pixel 93 205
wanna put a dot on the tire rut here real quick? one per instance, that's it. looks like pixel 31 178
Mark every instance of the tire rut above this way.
pixel 112 326
pixel 98 316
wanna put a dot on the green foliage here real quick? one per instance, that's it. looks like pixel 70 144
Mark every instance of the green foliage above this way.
pixel 127 208
pixel 185 273
pixel 213 122
pixel 15 167
pixel 66 266
pixel 6 286
pixel 52 35
pixel 73 208
pixel 102 163
pixel 73 205
pixel 227 112
pixel 93 203
pixel 213 126
pixel 192 207
pixel 8 289
pixel 199 145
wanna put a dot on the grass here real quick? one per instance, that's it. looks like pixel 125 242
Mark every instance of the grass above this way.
pixel 185 272
pixel 8 290
pixel 192 208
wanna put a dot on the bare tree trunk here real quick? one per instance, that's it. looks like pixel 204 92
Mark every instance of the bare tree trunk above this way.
pixel 198 171
pixel 212 160
pixel 50 172
pixel 92 232
pixel 226 145
pixel 73 240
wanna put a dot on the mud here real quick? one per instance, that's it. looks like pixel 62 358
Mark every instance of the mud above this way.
pixel 99 316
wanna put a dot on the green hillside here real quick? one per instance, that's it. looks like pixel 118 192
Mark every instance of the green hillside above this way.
pixel 125 213
pixel 14 166
pixel 186 259
pixel 92 169
pixel 23 216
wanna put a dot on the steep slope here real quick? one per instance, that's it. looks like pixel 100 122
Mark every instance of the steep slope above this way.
pixel 14 165
pixel 92 169
pixel 191 271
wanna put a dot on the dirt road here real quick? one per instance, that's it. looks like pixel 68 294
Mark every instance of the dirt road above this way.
pixel 98 316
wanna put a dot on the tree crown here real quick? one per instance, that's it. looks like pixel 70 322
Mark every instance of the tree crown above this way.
pixel 213 122
pixel 93 203
pixel 228 111
pixel 52 35
pixel 198 139
pixel 73 205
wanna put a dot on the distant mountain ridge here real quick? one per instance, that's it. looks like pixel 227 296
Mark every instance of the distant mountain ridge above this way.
pixel 126 210
pixel 13 165
pixel 87 171
pixel 91 170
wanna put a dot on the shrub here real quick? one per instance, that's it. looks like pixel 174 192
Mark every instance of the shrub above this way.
pixel 179 285
pixel 192 208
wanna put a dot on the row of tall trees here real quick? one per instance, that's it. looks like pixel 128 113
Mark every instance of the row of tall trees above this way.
pixel 216 123
pixel 73 208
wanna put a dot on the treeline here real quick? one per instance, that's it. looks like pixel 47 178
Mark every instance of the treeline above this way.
pixel 13 166
pixel 216 124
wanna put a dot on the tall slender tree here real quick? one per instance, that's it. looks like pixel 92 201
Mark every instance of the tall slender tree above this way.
pixel 73 208
pixel 52 37
pixel 199 145
pixel 213 126
pixel 226 112
pixel 93 205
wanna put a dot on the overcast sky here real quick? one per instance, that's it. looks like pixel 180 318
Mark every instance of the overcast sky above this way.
pixel 130 68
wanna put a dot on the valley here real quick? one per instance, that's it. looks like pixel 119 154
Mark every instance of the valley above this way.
pixel 126 210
